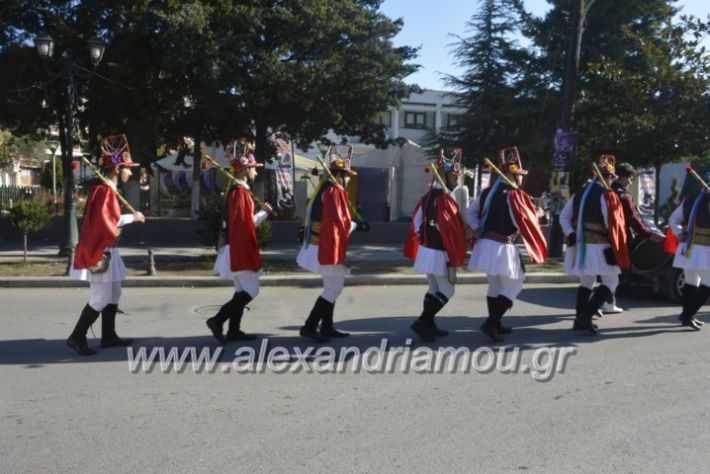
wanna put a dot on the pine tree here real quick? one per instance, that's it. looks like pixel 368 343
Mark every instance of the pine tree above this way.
pixel 490 87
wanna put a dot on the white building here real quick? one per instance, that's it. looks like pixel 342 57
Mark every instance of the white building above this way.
pixel 420 114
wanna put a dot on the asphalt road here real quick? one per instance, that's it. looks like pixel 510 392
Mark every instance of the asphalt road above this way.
pixel 631 399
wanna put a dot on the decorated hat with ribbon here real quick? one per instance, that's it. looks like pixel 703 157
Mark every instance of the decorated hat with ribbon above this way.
pixel 240 154
pixel 115 152
pixel 339 158
pixel 607 165
pixel 448 160
pixel 509 161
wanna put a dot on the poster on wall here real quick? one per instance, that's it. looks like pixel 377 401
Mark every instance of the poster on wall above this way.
pixel 647 191
pixel 283 172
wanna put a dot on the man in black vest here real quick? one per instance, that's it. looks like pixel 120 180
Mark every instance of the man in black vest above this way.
pixel 585 223
pixel 636 228
pixel 690 223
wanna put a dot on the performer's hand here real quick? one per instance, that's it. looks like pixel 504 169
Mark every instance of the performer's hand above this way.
pixel 571 240
pixel 362 226
pixel 468 233
pixel 475 233
pixel 265 206
pixel 657 237
pixel 138 217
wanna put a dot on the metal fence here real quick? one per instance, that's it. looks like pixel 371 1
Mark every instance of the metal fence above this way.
pixel 10 194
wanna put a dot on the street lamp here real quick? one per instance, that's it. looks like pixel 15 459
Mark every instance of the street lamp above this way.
pixel 53 145
pixel 70 70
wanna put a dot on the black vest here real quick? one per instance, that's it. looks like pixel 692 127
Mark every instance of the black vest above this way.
pixel 593 208
pixel 429 234
pixel 317 206
pixel 702 219
pixel 499 220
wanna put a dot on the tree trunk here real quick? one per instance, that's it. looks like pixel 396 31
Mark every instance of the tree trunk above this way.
pixel 196 168
pixel 24 238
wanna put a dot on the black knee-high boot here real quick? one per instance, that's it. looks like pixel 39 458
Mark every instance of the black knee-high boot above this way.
pixel 326 326
pixel 109 338
pixel 584 320
pixel 496 309
pixel 77 339
pixel 504 304
pixel 691 305
pixel 216 322
pixel 310 328
pixel 424 326
pixel 234 332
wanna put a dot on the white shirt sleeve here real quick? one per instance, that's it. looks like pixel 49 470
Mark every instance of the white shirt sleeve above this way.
pixel 676 221
pixel 125 219
pixel 353 226
pixel 566 217
pixel 474 209
pixel 259 217
pixel 418 219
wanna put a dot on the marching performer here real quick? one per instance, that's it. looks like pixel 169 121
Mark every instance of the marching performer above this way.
pixel 96 258
pixel 239 258
pixel 595 230
pixel 636 228
pixel 437 241
pixel 326 232
pixel 501 213
pixel 690 223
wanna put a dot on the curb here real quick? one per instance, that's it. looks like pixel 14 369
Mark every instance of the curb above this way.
pixel 302 281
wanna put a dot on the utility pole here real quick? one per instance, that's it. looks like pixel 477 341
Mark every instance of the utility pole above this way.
pixel 565 137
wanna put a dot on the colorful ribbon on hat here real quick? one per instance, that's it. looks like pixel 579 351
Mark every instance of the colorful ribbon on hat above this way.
pixel 690 238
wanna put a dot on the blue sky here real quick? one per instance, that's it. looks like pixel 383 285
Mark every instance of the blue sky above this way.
pixel 430 23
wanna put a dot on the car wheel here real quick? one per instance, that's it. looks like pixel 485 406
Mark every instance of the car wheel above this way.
pixel 674 285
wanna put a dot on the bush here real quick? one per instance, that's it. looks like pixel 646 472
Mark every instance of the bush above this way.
pixel 30 215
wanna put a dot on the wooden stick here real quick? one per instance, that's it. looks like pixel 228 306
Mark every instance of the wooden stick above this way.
pixel 231 176
pixel 106 182
pixel 438 177
pixel 699 178
pixel 330 176
pixel 601 178
pixel 500 173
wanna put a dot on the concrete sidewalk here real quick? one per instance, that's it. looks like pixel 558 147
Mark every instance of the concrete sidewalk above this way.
pixel 357 253
pixel 275 251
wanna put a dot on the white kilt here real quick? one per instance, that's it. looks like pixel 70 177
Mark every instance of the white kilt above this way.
pixel 699 258
pixel 431 261
pixel 594 261
pixel 308 260
pixel 223 265
pixel 116 270
pixel 496 258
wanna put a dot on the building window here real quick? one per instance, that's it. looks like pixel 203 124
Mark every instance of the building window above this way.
pixel 386 119
pixel 453 121
pixel 415 119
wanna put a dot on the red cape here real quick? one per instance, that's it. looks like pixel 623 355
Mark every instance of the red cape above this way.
pixel 528 224
pixel 334 227
pixel 617 229
pixel 100 227
pixel 450 223
pixel 243 247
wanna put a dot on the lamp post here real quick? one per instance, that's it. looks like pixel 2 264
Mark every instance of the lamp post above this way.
pixel 53 145
pixel 70 71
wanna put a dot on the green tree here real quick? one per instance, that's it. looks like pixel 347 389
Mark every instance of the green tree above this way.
pixel 29 215
pixel 492 86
